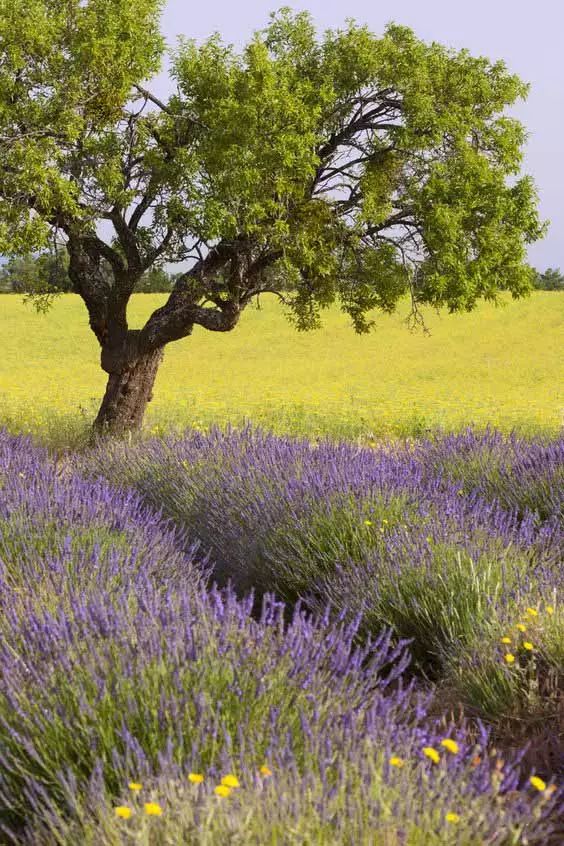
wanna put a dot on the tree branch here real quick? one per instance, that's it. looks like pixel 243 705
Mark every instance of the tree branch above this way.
pixel 153 99
pixel 127 240
pixel 139 211
pixel 95 247
pixel 154 254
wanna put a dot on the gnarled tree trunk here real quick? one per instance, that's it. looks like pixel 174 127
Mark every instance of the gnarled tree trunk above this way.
pixel 131 378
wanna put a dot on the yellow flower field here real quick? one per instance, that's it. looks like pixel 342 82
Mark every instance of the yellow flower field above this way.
pixel 500 366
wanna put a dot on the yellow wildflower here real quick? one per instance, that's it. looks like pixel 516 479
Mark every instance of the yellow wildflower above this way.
pixel 451 745
pixel 123 812
pixel 230 780
pixel 396 762
pixel 528 645
pixel 532 612
pixel 549 609
pixel 135 786
pixel 506 640
pixel 538 783
pixel 265 771
pixel 195 778
pixel 509 658
pixel 521 627
pixel 222 790
pixel 153 809
pixel 451 817
pixel 431 753
pixel 368 522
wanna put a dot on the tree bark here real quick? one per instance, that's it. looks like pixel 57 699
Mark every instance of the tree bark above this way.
pixel 129 390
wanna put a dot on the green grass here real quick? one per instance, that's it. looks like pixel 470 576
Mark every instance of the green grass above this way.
pixel 500 366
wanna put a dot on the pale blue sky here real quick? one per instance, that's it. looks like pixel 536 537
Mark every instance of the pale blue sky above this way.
pixel 526 34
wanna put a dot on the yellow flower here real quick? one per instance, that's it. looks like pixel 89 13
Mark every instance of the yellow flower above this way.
pixel 230 780
pixel 222 790
pixel 123 812
pixel 195 778
pixel 549 609
pixel 538 783
pixel 153 809
pixel 532 612
pixel 451 817
pixel 527 645
pixel 265 771
pixel 396 762
pixel 451 745
pixel 431 753
pixel 135 786
pixel 368 522
pixel 506 640
pixel 521 627
pixel 509 658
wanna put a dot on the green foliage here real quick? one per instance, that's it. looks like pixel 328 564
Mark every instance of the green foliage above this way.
pixel 41 274
pixel 446 607
pixel 267 111
pixel 551 280
pixel 67 67
pixel 295 556
pixel 529 689
pixel 156 280
pixel 347 167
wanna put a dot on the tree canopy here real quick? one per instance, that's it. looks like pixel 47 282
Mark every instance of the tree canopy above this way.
pixel 348 167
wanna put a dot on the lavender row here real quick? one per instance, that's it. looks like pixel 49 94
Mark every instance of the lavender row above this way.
pixel 59 531
pixel 148 687
pixel 278 514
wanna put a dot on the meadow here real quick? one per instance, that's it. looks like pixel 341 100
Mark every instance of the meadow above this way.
pixel 340 624
pixel 500 366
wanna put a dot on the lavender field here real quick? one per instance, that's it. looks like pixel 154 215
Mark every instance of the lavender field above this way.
pixel 234 637
pixel 281 425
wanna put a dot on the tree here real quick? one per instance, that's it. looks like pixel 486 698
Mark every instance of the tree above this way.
pixel 155 281
pixel 551 280
pixel 42 275
pixel 350 168
pixel 18 275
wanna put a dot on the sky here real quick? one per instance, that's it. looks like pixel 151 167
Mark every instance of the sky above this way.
pixel 526 34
